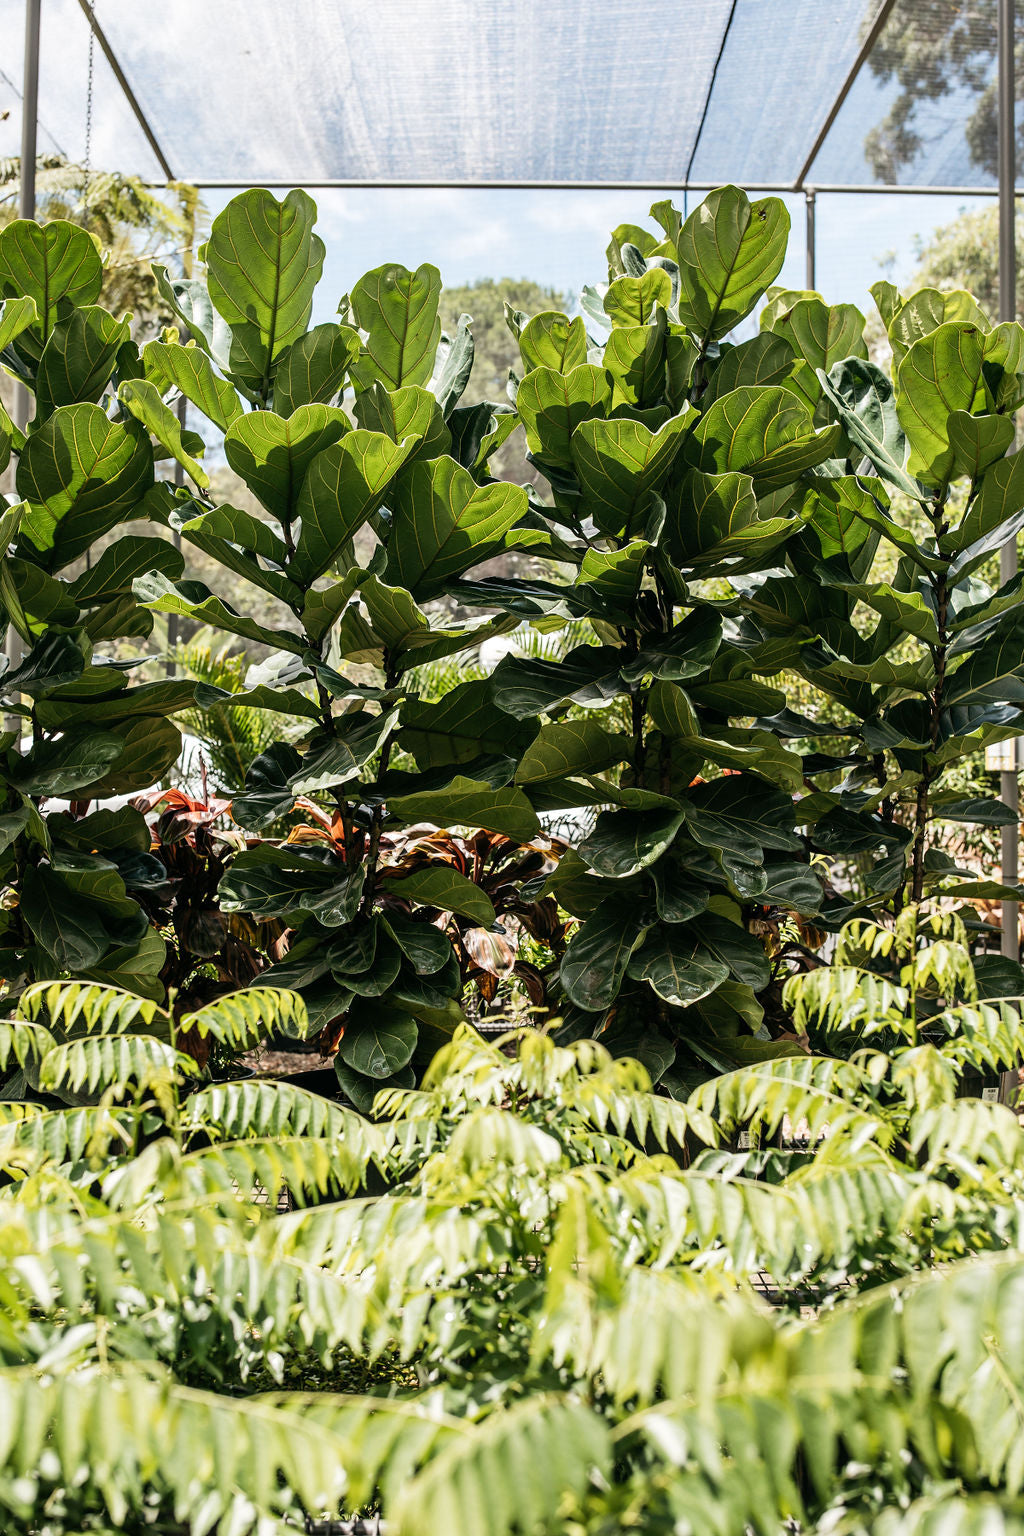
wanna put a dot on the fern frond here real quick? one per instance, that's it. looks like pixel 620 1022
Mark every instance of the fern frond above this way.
pixel 97 1009
pixel 243 1019
pixel 113 1062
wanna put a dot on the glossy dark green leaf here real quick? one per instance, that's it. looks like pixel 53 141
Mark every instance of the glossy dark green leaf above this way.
pixel 440 887
pixel 193 600
pixel 378 1041
pixel 465 724
pixel 677 966
pixel 594 965
pixel 624 842
pixel 571 747
pixel 764 432
pixel 337 758
pixel 472 803
pixel 620 463
pixel 739 950
pixel 443 523
pixel 68 929
pixel 113 572
pixel 527 686
pixel 81 474
pixel 268 794
pixel 862 398
pixel 427 948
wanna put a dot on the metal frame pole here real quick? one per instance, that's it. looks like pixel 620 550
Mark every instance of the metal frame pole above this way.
pixel 810 208
pixel 1007 307
pixel 26 210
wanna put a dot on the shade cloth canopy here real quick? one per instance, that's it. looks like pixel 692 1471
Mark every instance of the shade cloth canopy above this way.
pixel 806 92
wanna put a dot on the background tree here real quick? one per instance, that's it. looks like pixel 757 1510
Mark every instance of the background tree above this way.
pixel 934 53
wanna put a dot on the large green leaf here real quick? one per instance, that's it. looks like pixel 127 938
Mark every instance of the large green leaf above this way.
pixel 471 803
pixel 268 881
pixel 994 674
pixel 676 965
pixel 730 252
pixel 552 405
pixel 552 340
pixel 862 398
pixel 79 356
pixel 81 474
pixel 821 335
pixel 192 600
pixel 440 887
pixel 1000 496
pixel 120 563
pixel 47 263
pixel 764 359
pixel 407 412
pixel 272 454
pixel 978 441
pixel 314 367
pixel 624 842
pixel 263 262
pixel 65 765
pixel 620 463
pixel 941 374
pixel 379 1040
pixel 634 300
pixel 571 747
pixel 398 310
pixel 635 359
pixel 246 544
pixel 924 311
pixel 149 747
pixel 467 723
pixel 144 401
pixel 594 965
pixel 526 686
pixel 186 368
pixel 443 523
pixel 767 433
pixel 343 487
pixel 68 929
pixel 336 758
pixel 16 315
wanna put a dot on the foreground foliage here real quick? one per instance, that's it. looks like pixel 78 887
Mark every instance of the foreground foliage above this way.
pixel 567 1304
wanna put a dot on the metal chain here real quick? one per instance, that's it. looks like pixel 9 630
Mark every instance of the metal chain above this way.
pixel 87 162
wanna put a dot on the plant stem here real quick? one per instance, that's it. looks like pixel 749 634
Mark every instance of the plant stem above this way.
pixel 391 676
pixel 939 653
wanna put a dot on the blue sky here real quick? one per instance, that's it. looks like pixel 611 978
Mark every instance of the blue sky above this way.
pixel 559 238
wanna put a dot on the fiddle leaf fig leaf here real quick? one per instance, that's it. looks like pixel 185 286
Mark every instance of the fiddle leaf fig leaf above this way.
pixel 467 723
pixel 406 412
pixel 272 454
pixel 78 359
pixel 767 433
pixel 594 965
pixel 143 400
pixel 443 523
pixel 553 404
pixel 263 263
pixel 81 474
pixel 730 252
pixel 765 359
pixel 862 398
pixel 472 803
pixel 398 310
pixel 552 340
pixel 314 368
pixel 188 369
pixel 16 315
pixel 621 462
pixel 634 300
pixel 378 1040
pixel 453 366
pixel 977 441
pixel 47 263
pixel 821 335
pixel 443 888
pixel 571 747
pixel 941 374
pixel 624 842
pixel 923 312
pixel 676 965
pixel 344 485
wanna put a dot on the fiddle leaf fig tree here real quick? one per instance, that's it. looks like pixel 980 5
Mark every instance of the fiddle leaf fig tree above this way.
pixel 84 718
pixel 923 491
pixel 399 475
